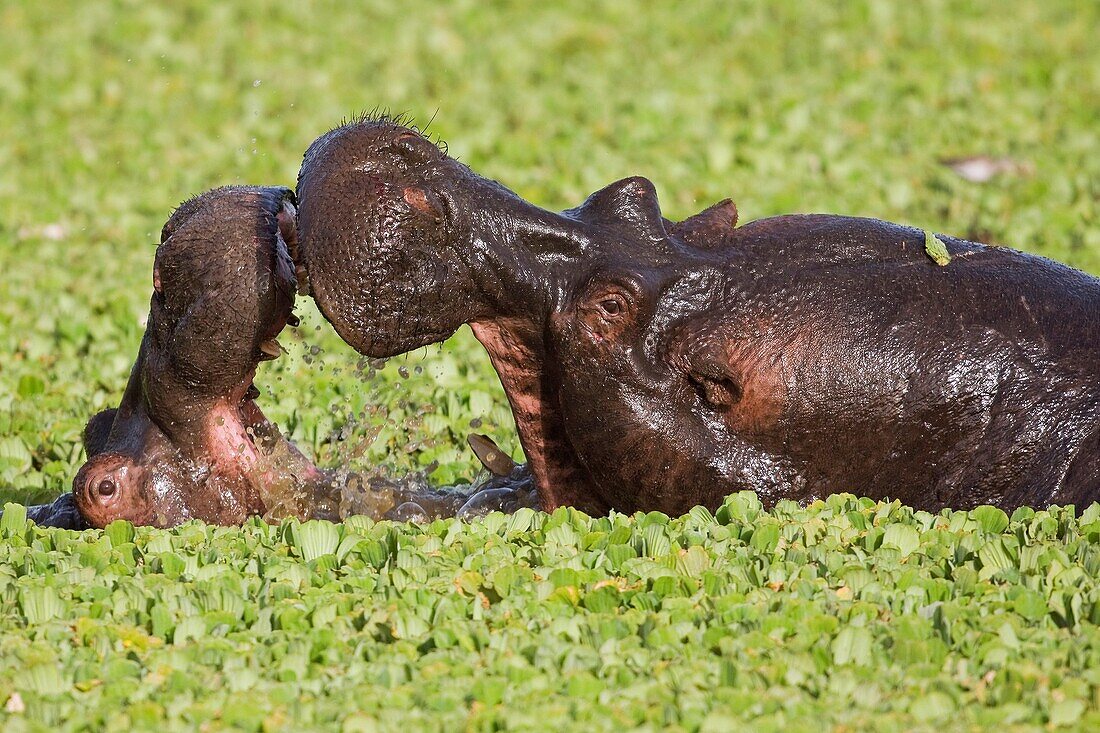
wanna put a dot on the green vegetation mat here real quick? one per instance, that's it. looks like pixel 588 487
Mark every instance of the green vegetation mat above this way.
pixel 114 112
pixel 845 615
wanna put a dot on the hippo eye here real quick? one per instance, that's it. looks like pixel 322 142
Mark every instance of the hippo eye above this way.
pixel 613 306
pixel 106 488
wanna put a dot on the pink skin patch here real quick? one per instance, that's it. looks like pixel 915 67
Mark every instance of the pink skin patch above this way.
pixel 228 443
pixel 235 458
pixel 560 478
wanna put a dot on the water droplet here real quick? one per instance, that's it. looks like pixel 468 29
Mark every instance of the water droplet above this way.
pixel 256 83
pixel 410 511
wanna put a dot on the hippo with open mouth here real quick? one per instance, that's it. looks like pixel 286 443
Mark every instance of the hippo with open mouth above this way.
pixel 188 440
pixel 656 365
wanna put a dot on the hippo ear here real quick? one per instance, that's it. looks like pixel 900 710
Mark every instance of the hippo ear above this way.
pixel 708 369
pixel 709 228
pixel 632 201
pixel 98 430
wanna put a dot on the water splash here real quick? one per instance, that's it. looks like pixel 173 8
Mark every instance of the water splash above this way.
pixel 292 486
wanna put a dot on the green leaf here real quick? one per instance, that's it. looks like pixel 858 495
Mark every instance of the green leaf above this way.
pixel 374 553
pixel 765 537
pixel 120 532
pixel 655 541
pixel 693 561
pixel 14 521
pixel 489 690
pixel 990 519
pixel 1066 712
pixel 603 599
pixel 701 515
pixel 1091 514
pixel 45 679
pixel 14 454
pixel 30 385
pixel 480 403
pixel 189 629
pixel 902 537
pixel 994 557
pixel 521 520
pixel 933 706
pixel 936 249
pixel 359 524
pixel 852 645
pixel 41 604
pixel 1030 605
pixel 315 538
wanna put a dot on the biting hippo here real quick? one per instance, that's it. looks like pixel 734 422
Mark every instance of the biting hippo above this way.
pixel 188 440
pixel 656 365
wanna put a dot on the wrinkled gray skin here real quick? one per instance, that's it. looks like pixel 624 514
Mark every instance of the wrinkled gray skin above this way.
pixel 653 364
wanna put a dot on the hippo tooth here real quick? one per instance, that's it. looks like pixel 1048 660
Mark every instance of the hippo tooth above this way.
pixel 302 278
pixel 271 349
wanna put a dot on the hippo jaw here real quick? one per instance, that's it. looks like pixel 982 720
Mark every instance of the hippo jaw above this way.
pixel 376 232
pixel 402 244
pixel 189 440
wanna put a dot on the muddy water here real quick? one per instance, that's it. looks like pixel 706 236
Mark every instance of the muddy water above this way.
pixel 292 487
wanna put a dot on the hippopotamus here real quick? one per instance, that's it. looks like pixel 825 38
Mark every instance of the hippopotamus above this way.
pixel 188 440
pixel 653 364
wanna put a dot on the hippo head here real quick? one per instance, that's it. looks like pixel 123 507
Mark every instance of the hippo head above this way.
pixel 223 288
pixel 183 443
pixel 585 313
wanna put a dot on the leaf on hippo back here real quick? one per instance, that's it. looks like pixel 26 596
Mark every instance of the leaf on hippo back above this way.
pixel 936 249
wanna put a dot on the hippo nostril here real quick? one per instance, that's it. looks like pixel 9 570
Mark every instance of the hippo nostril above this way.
pixel 106 488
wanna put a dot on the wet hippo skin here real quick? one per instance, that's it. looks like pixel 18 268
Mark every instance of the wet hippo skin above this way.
pixel 655 365
pixel 188 440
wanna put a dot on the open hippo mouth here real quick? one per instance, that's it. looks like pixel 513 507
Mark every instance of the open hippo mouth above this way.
pixel 189 439
pixel 238 430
